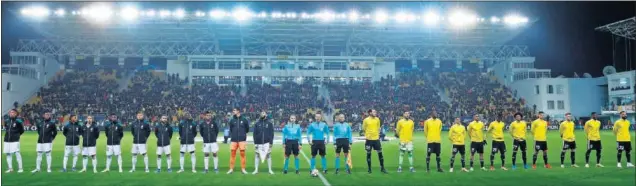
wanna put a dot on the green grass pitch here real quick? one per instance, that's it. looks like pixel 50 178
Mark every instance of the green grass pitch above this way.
pixel 610 175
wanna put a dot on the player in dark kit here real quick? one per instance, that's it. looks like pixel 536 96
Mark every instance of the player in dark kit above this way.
pixel 72 131
pixel 209 130
pixel 163 132
pixel 140 130
pixel 90 133
pixel 187 132
pixel 13 130
pixel 46 133
pixel 114 133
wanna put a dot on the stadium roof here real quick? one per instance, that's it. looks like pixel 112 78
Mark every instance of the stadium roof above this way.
pixel 201 35
pixel 625 28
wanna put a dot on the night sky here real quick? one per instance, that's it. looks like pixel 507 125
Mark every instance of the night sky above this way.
pixel 563 39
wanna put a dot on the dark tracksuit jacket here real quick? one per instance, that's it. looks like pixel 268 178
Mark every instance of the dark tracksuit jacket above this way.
pixel 163 132
pixel 263 132
pixel 72 132
pixel 209 131
pixel 13 129
pixel 239 127
pixel 90 135
pixel 46 131
pixel 187 131
pixel 114 132
pixel 140 130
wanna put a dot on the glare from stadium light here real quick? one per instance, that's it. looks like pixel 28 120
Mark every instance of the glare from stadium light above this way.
pixel 403 17
pixel 129 13
pixel 381 16
pixel 179 13
pixel 515 20
pixel 494 19
pixel 73 13
pixel 217 14
pixel 326 15
pixel 291 15
pixel 37 11
pixel 431 18
pixel 150 13
pixel 60 12
pixel 164 13
pixel 241 14
pixel 304 15
pixel 262 15
pixel 366 16
pixel 98 13
pixel 353 16
pixel 199 14
pixel 461 18
pixel 277 15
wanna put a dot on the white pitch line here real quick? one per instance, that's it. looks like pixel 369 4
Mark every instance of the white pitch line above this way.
pixel 324 180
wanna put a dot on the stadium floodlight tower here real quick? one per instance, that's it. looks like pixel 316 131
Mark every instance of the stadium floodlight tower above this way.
pixel 624 28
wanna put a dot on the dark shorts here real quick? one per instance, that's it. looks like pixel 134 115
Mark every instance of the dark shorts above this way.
pixel 519 144
pixel 477 147
pixel 342 145
pixel 459 148
pixel 594 145
pixel 625 146
pixel 434 148
pixel 569 145
pixel 318 147
pixel 291 146
pixel 373 145
pixel 540 145
pixel 498 146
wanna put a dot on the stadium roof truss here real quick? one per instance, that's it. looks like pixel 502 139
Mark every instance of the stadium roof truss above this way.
pixel 625 28
pixel 69 37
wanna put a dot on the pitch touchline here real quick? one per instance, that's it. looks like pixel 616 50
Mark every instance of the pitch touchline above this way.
pixel 324 180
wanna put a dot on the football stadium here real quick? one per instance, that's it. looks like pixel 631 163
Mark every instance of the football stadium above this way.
pixel 318 93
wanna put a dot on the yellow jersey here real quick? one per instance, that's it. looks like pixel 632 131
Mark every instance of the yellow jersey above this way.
pixel 457 134
pixel 567 131
pixel 371 127
pixel 518 130
pixel 496 129
pixel 433 130
pixel 476 131
pixel 593 130
pixel 621 130
pixel 539 128
pixel 404 129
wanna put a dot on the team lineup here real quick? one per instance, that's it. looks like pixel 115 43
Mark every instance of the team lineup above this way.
pixel 318 136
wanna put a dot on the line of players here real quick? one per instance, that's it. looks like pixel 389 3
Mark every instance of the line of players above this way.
pixel 318 137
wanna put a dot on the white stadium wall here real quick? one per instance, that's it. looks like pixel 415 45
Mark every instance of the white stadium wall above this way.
pixel 178 67
pixel 545 101
pixel 587 95
pixel 17 88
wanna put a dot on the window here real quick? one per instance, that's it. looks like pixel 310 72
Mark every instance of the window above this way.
pixel 550 89
pixel 560 105
pixel 236 65
pixel 203 64
pixel 550 105
pixel 335 66
pixel 8 86
pixel 536 89
pixel 559 89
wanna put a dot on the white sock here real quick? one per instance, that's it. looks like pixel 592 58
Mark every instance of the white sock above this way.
pixel 48 161
pixel 256 162
pixel 269 162
pixel 38 161
pixel 193 158
pixel 75 160
pixel 65 161
pixel 18 158
pixel 108 160
pixel 169 161
pixel 146 160
pixel 119 161
pixel 216 163
pixel 94 163
pixel 10 161
pixel 206 161
pixel 182 160
pixel 84 162
pixel 134 161
pixel 158 163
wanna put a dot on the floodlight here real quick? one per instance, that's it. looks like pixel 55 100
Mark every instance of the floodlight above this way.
pixel 35 11
pixel 494 19
pixel 241 14
pixel 431 18
pixel 217 14
pixel 326 15
pixel 304 15
pixel 461 18
pixel 353 16
pixel 60 12
pixel 381 16
pixel 98 13
pixel 179 13
pixel 291 15
pixel 262 15
pixel 151 13
pixel 164 13
pixel 402 17
pixel 515 20
pixel 277 15
pixel 129 13
pixel 73 12
pixel 199 14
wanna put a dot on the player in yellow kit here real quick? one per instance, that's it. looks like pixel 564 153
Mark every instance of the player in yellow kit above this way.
pixel 566 129
pixel 433 133
pixel 404 131
pixel 518 130
pixel 623 138
pixel 371 126
pixel 592 131
pixel 496 130
pixel 476 133
pixel 539 128
pixel 457 134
